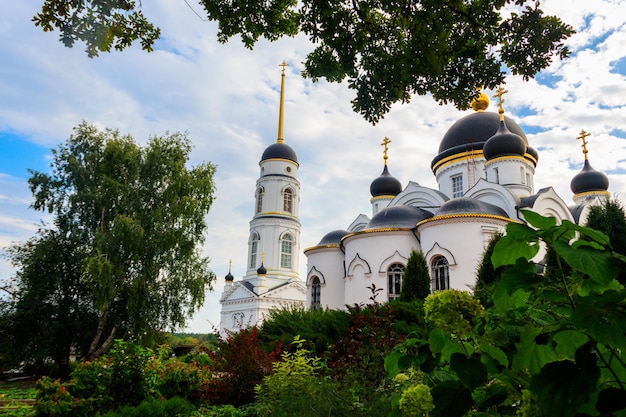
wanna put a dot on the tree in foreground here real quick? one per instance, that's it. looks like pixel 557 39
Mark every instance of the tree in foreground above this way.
pixel 388 50
pixel 124 254
pixel 416 278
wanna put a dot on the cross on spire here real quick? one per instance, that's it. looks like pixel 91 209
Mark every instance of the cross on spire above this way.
pixel 385 144
pixel 500 95
pixel 583 136
pixel 283 65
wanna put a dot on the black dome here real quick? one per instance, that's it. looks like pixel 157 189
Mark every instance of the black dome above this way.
pixel 472 131
pixel 588 179
pixel 466 205
pixel 279 151
pixel 261 270
pixel 398 217
pixel 229 277
pixel 503 143
pixel 385 184
pixel 333 238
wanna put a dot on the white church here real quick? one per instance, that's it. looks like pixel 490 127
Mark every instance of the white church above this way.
pixel 485 173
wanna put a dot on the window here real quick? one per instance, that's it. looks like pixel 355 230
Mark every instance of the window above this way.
pixel 286 247
pixel 522 176
pixel 528 179
pixel 440 274
pixel 254 248
pixel 497 175
pixel 316 293
pixel 288 200
pixel 259 199
pixel 457 186
pixel 394 280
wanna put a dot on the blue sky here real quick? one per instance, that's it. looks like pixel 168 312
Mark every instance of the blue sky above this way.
pixel 226 98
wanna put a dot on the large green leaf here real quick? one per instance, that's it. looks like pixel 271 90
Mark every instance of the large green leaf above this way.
pixel 519 242
pixel 562 387
pixel 495 353
pixel 532 355
pixel 606 324
pixel 451 399
pixel 601 266
pixel 537 220
pixel 470 370
pixel 489 396
pixel 568 341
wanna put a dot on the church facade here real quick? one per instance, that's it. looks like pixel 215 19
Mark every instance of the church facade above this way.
pixel 485 171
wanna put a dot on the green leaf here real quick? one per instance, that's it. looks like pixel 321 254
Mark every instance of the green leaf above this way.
pixel 606 324
pixel 538 221
pixel 470 370
pixel 532 355
pixel 568 341
pixel 562 387
pixel 451 399
pixel 495 353
pixel 519 242
pixel 489 396
pixel 611 400
pixel 601 266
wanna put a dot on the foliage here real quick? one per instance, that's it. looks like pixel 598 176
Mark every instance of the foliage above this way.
pixel 101 24
pixel 48 315
pixel 388 50
pixel 416 278
pixel 320 328
pixel 486 274
pixel 129 220
pixel 296 387
pixel 610 219
pixel 239 364
pixel 546 347
pixel 156 407
pixel 416 401
pixel 227 410
pixel 452 311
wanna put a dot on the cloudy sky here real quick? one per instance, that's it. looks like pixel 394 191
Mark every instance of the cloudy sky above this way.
pixel 226 97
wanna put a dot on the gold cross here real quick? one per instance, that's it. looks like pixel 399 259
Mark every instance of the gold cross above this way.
pixel 500 95
pixel 283 65
pixel 583 136
pixel 385 144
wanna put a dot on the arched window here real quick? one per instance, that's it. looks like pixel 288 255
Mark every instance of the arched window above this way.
pixel 440 273
pixel 316 293
pixel 254 249
pixel 286 247
pixel 259 199
pixel 394 280
pixel 288 200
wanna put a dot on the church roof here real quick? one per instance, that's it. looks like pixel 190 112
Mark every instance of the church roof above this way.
pixel 333 238
pixel 398 217
pixel 469 206
pixel 385 184
pixel 588 179
pixel 279 151
pixel 472 131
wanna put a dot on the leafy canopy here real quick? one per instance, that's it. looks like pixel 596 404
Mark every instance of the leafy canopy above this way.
pixel 388 50
pixel 138 214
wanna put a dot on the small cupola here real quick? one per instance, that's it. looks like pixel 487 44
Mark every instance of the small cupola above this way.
pixel 588 182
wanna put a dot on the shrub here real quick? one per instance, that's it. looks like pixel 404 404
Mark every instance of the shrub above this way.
pixel 240 363
pixel 156 407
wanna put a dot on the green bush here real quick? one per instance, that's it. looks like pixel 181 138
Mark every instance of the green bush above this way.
pixel 156 407
pixel 296 388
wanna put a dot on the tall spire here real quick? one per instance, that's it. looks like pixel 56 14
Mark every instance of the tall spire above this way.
pixel 500 95
pixel 385 144
pixel 583 136
pixel 281 138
